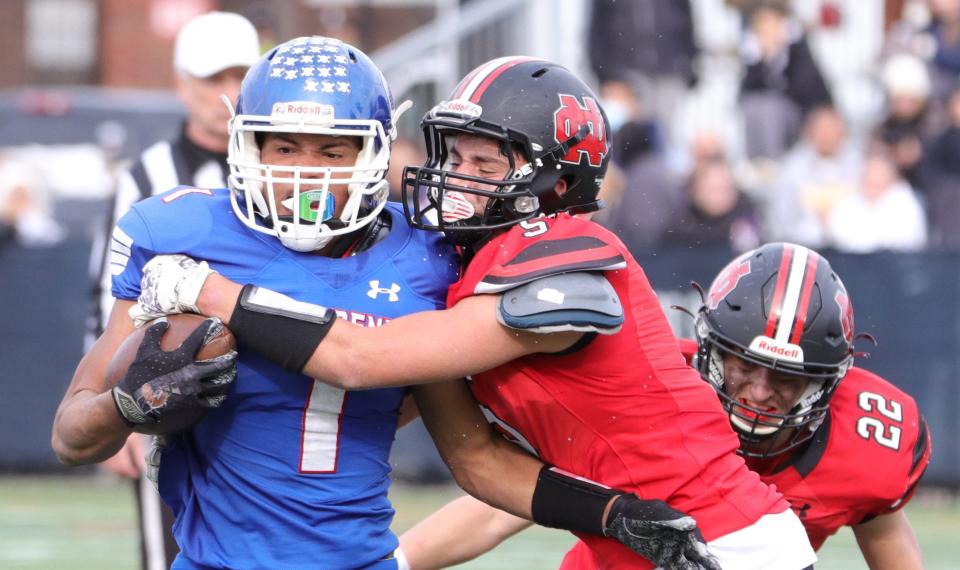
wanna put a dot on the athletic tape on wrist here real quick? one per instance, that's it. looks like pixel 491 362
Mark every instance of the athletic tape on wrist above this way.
pixel 562 500
pixel 281 329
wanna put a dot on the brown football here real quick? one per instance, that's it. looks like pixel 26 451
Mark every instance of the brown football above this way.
pixel 181 326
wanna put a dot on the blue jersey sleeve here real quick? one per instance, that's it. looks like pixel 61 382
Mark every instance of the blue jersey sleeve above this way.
pixel 130 249
pixel 172 222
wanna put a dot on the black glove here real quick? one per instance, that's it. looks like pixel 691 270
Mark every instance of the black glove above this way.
pixel 162 384
pixel 664 535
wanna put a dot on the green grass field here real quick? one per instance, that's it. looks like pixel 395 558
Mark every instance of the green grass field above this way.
pixel 87 523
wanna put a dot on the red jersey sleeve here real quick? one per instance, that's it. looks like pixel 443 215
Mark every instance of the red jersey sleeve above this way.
pixel 534 249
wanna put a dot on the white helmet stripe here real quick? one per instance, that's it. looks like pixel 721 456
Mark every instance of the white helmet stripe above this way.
pixel 791 298
pixel 490 68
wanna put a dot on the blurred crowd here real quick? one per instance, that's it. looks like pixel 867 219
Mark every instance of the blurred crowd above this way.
pixel 787 161
pixel 737 142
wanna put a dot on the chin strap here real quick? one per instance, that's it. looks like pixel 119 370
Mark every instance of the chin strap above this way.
pixel 564 147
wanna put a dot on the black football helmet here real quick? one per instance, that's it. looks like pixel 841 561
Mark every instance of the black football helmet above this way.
pixel 780 306
pixel 534 108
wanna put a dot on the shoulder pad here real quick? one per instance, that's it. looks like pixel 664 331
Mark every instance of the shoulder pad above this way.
pixel 580 301
pixel 541 248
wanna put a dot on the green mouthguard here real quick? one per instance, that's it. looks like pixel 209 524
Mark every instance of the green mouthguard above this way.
pixel 311 209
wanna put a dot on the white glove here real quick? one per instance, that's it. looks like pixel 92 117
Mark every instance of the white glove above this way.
pixel 170 284
pixel 153 456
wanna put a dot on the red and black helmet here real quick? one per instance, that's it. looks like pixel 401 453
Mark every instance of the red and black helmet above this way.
pixel 780 306
pixel 533 107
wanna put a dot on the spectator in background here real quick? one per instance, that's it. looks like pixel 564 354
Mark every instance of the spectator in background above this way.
pixel 942 176
pixel 907 124
pixel 782 82
pixel 640 193
pixel 650 195
pixel 817 172
pixel 25 209
pixel 648 44
pixel 945 32
pixel 211 56
pixel 718 214
pixel 619 101
pixel 884 214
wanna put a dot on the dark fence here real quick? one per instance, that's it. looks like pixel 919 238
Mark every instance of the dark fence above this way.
pixel 911 303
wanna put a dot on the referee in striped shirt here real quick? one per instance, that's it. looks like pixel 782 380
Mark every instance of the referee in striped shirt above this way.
pixel 211 55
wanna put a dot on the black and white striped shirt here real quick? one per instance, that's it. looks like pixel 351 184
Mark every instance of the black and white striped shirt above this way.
pixel 159 168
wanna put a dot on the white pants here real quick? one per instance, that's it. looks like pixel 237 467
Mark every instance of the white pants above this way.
pixel 775 541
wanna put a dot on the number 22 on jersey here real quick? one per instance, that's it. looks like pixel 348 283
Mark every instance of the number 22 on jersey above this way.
pixel 883 432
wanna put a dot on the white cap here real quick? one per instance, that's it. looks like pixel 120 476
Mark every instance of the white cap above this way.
pixel 215 41
pixel 906 75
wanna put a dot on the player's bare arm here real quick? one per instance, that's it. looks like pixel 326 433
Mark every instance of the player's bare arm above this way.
pixel 888 542
pixel 483 463
pixel 456 342
pixel 157 388
pixel 452 343
pixel 87 427
pixel 460 531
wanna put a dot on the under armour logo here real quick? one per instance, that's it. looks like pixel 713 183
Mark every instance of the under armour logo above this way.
pixel 376 289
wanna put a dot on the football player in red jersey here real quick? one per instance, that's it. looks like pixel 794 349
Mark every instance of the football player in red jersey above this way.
pixel 843 445
pixel 554 323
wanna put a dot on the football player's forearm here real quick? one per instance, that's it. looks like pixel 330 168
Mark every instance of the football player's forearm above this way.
pixel 218 297
pixel 502 475
pixel 460 531
pixel 888 542
pixel 88 429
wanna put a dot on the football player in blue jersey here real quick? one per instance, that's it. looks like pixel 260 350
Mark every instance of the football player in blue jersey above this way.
pixel 285 471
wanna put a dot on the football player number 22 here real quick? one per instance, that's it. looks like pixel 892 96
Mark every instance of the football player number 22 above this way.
pixel 876 429
pixel 321 429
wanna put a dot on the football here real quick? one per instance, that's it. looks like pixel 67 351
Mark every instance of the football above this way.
pixel 181 325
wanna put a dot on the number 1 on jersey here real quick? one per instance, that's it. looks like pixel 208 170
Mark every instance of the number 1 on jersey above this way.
pixel 322 420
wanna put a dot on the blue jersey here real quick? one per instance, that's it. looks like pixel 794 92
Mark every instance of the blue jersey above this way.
pixel 288 472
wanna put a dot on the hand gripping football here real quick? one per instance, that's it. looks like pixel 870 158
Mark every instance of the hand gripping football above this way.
pixel 180 327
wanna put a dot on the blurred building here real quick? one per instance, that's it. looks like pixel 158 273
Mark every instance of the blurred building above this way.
pixel 128 43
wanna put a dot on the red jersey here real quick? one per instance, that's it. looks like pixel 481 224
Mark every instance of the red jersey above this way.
pixel 865 459
pixel 625 409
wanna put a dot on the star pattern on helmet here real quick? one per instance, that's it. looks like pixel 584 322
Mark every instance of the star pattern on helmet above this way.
pixel 320 64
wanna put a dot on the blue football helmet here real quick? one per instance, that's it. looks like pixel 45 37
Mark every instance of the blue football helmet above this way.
pixel 321 86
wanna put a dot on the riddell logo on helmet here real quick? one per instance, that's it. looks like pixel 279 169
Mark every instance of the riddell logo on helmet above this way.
pixel 460 108
pixel 766 346
pixel 302 110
